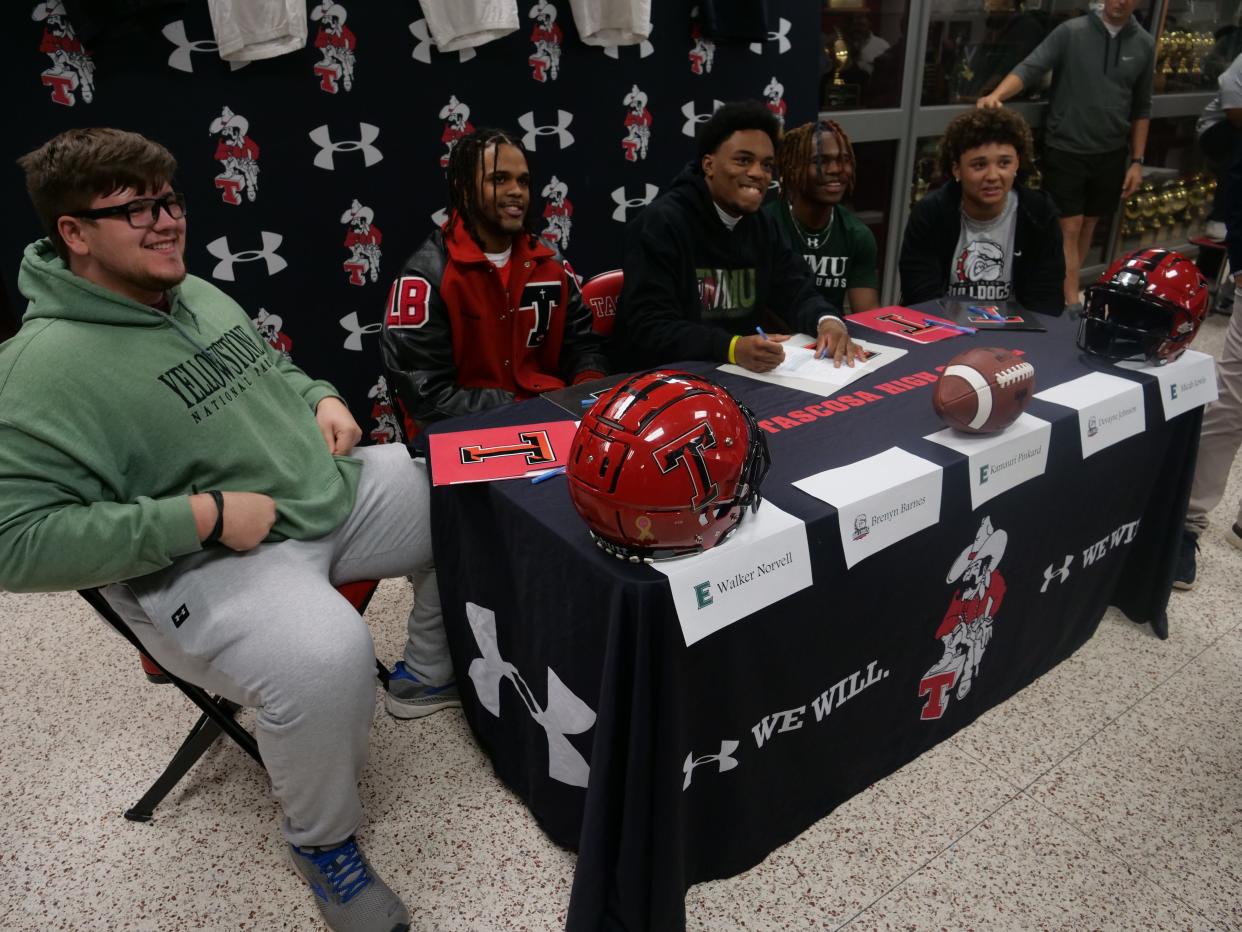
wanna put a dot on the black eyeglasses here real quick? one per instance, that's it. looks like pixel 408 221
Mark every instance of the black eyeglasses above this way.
pixel 142 213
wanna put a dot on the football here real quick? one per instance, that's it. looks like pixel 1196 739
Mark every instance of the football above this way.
pixel 984 390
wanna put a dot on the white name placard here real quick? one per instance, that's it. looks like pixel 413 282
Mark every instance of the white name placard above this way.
pixel 1110 408
pixel 880 500
pixel 1000 462
pixel 765 560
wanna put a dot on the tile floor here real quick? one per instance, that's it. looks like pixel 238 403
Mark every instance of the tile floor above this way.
pixel 1107 795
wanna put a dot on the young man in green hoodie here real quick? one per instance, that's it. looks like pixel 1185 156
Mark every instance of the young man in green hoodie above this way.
pixel 153 444
pixel 1098 114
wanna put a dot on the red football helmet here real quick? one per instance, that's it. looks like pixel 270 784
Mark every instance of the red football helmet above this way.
pixel 665 465
pixel 1148 305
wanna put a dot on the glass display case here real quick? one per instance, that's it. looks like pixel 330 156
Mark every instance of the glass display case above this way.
pixel 1198 39
pixel 863 54
pixel 873 187
pixel 973 44
pixel 1172 205
pixel 895 73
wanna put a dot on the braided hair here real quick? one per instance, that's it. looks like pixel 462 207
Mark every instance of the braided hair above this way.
pixel 800 145
pixel 465 162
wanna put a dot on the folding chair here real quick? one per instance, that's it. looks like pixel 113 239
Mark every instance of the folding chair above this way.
pixel 600 293
pixel 218 712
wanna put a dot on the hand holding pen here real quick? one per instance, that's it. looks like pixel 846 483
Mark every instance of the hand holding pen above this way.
pixel 760 353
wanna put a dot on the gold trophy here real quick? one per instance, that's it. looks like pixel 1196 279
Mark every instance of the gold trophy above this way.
pixel 1149 206
pixel 919 189
pixel 1132 221
pixel 841 54
pixel 1164 208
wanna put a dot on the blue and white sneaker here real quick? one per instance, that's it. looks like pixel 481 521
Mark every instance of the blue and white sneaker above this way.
pixel 350 897
pixel 409 697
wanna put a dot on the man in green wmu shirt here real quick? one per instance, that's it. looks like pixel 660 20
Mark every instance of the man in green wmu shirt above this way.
pixel 816 164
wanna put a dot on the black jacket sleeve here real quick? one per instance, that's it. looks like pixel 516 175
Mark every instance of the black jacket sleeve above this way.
pixel 1040 285
pixel 657 318
pixel 582 350
pixel 924 270
pixel 417 344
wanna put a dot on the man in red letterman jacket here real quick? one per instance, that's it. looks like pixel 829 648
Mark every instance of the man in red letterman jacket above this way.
pixel 485 312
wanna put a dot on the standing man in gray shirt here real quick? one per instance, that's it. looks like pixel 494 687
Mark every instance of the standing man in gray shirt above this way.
pixel 1218 131
pixel 1098 115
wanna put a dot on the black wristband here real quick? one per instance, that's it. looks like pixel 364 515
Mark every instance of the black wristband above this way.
pixel 1137 160
pixel 214 536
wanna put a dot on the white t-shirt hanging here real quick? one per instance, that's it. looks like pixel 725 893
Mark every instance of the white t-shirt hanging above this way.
pixel 465 24
pixel 251 30
pixel 612 22
pixel 982 263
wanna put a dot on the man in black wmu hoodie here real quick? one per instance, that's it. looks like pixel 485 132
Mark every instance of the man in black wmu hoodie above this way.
pixel 702 261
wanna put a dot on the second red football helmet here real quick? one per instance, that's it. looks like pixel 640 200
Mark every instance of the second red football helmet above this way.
pixel 1148 305
pixel 665 465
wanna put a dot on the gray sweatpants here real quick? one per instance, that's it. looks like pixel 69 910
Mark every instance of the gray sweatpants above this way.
pixel 267 630
pixel 1222 429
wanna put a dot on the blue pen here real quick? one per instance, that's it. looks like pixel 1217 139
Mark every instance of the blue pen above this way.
pixel 759 330
pixel 941 323
pixel 545 476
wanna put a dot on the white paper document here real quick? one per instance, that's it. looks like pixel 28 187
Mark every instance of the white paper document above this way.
pixel 1110 408
pixel 1185 383
pixel 801 370
pixel 1000 462
pixel 879 500
pixel 765 560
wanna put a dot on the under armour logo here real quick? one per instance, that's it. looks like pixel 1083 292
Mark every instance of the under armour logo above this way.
pixel 1062 574
pixel 626 204
pixel 224 268
pixel 357 331
pixel 422 48
pixel 724 760
pixel 180 615
pixel 565 714
pixel 645 48
pixel 179 57
pixel 561 130
pixel 780 37
pixel 328 149
pixel 693 117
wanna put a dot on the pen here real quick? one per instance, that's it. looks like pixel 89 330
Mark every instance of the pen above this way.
pixel 759 330
pixel 942 323
pixel 544 476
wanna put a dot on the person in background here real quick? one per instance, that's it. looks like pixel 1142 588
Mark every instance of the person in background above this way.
pixel 984 235
pixel 1218 132
pixel 817 172
pixel 1098 115
pixel 1221 434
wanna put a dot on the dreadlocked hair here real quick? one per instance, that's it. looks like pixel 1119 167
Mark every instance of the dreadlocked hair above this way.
pixel 801 145
pixel 465 162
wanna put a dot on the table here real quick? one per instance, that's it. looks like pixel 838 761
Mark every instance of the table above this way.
pixel 665 765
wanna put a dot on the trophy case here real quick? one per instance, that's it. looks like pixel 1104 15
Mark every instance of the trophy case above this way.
pixel 973 44
pixel 1197 40
pixel 1171 206
pixel 862 62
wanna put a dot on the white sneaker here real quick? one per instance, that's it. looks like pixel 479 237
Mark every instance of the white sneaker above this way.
pixel 1215 230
